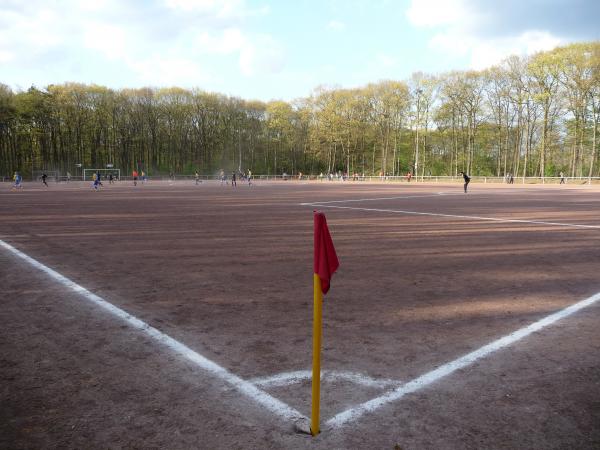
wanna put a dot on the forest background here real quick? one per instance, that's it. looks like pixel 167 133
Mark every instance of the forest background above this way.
pixel 529 116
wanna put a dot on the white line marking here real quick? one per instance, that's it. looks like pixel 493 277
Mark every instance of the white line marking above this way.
pixel 289 378
pixel 458 216
pixel 379 198
pixel 464 361
pixel 245 387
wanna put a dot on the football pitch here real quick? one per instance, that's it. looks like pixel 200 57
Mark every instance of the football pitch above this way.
pixel 175 315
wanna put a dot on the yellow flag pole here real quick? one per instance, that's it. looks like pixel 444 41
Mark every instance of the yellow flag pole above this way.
pixel 316 374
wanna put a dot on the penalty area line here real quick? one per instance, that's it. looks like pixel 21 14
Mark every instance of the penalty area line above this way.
pixel 246 388
pixel 380 198
pixel 456 216
pixel 425 380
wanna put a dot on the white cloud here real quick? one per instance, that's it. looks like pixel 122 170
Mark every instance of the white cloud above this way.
pixel 222 9
pixel 336 25
pixel 34 32
pixel 261 54
pixel 461 28
pixel 111 40
pixel 169 71
pixel 228 41
pixel 257 53
pixel 432 13
pixel 488 53
pixel 6 56
pixel 386 60
pixel 535 41
pixel 162 42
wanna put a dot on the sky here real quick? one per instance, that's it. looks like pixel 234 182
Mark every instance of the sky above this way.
pixel 267 49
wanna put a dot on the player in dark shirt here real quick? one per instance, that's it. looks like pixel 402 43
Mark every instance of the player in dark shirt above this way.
pixel 99 178
pixel 467 180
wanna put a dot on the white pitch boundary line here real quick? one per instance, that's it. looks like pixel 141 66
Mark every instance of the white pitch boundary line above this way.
pixel 289 378
pixel 457 216
pixel 379 198
pixel 245 387
pixel 430 377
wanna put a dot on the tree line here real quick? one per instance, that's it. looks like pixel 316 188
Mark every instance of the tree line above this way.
pixel 528 116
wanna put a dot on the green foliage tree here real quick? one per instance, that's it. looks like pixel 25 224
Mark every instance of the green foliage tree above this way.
pixel 527 116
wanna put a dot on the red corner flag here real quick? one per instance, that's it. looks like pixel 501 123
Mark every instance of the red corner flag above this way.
pixel 325 261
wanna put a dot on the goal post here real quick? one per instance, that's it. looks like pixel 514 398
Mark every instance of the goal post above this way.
pixel 88 174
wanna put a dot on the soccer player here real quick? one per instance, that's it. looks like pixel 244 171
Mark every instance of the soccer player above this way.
pixel 99 178
pixel 95 180
pixel 44 176
pixel 467 180
pixel 17 179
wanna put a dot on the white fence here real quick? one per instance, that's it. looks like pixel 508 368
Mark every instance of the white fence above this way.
pixel 366 178
pixel 432 179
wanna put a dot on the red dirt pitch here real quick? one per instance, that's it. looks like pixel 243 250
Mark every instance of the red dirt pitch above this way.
pixel 228 272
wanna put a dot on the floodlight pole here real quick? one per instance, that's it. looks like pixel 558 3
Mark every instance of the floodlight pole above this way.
pixel 240 151
pixel 419 92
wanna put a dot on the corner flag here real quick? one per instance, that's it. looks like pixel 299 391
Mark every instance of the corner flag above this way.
pixel 325 260
pixel 325 264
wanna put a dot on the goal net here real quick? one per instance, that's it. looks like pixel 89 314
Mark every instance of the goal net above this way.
pixel 88 174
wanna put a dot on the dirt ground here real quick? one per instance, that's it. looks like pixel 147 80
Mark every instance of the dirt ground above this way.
pixel 228 272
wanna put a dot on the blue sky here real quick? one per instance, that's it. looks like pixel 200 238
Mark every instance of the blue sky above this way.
pixel 273 49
